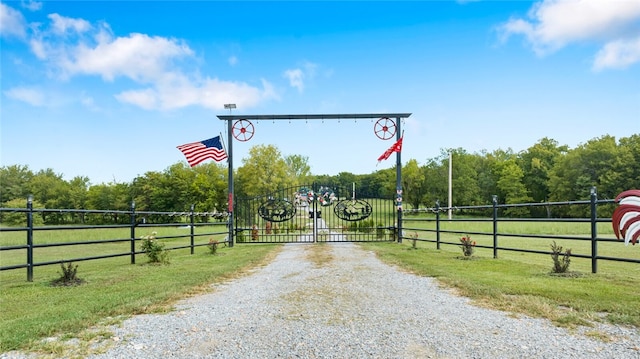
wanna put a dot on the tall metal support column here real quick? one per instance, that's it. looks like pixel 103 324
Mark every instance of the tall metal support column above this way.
pixel 399 180
pixel 230 199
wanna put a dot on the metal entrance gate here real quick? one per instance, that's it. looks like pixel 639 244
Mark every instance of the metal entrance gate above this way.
pixel 315 213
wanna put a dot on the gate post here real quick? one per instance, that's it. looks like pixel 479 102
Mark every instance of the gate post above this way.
pixel 133 232
pixel 438 224
pixel 399 181
pixel 594 230
pixel 30 238
pixel 495 225
pixel 230 200
pixel 191 228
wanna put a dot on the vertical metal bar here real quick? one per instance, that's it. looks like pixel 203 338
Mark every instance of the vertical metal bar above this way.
pixel 399 180
pixel 231 201
pixel 594 230
pixel 191 228
pixel 437 224
pixel 314 211
pixel 495 225
pixel 133 232
pixel 30 238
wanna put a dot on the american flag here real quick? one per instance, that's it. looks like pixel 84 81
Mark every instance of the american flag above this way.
pixel 197 152
pixel 397 147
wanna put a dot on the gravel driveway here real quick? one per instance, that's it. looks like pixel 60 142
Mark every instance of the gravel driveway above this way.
pixel 350 306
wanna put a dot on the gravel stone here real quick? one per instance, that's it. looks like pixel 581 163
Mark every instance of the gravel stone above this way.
pixel 353 306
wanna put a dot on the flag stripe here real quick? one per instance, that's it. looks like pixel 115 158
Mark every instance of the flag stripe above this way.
pixel 197 152
pixel 397 147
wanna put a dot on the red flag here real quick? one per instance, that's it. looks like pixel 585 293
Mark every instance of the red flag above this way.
pixel 397 147
pixel 197 152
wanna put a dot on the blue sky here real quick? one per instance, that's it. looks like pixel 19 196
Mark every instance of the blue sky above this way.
pixel 108 90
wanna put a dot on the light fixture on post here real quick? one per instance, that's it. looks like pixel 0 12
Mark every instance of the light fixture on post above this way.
pixel 229 106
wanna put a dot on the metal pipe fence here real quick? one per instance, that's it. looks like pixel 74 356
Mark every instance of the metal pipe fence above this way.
pixel 426 225
pixel 211 225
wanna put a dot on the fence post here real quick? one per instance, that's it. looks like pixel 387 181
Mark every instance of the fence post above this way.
pixel 133 232
pixel 191 229
pixel 30 238
pixel 437 224
pixel 494 199
pixel 594 231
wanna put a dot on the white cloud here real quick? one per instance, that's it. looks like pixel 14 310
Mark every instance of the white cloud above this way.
pixel 31 96
pixel 12 23
pixel 123 56
pixel 297 77
pixel 73 47
pixel 618 54
pixel 61 24
pixel 31 5
pixel 554 24
pixel 176 91
pixel 146 99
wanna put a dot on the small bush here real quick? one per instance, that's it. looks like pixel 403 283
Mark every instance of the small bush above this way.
pixel 68 277
pixel 154 249
pixel 414 240
pixel 213 246
pixel 254 233
pixel 561 260
pixel 467 246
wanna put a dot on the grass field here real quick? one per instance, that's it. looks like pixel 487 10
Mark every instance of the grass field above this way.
pixel 60 253
pixel 527 287
pixel 613 248
pixel 113 289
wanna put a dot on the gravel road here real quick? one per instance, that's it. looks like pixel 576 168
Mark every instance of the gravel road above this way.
pixel 350 306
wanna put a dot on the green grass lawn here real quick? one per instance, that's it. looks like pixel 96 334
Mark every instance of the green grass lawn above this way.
pixel 520 285
pixel 113 288
pixel 484 242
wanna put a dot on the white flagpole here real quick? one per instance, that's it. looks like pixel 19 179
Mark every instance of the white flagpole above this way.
pixel 224 147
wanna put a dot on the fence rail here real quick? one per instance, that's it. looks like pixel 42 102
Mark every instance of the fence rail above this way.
pixel 425 223
pixel 416 225
pixel 134 222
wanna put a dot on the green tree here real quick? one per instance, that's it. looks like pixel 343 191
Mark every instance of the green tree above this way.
pixel 512 189
pixel 209 187
pixel 413 185
pixel 20 218
pixel 594 163
pixel 436 176
pixel 627 165
pixel 536 163
pixel 298 167
pixel 263 172
pixel 14 181
pixel 464 178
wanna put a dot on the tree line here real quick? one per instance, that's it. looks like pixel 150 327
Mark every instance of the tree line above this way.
pixel 546 171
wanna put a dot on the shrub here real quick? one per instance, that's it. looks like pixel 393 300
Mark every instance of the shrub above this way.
pixel 213 246
pixel 240 237
pixel 254 233
pixel 68 277
pixel 467 246
pixel 414 240
pixel 154 249
pixel 561 260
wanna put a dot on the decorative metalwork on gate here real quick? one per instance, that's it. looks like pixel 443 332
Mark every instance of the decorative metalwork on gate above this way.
pixel 316 213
